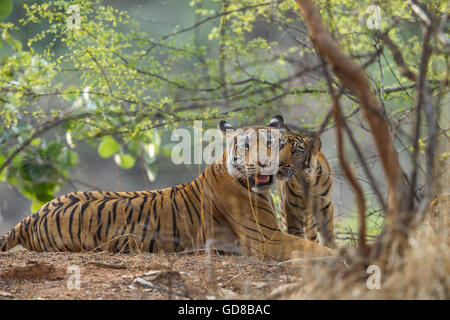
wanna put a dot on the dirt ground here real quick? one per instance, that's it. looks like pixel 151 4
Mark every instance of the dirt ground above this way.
pixel 103 275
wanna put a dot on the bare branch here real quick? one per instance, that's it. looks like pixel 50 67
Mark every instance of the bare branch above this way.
pixel 354 77
pixel 397 55
pixel 337 112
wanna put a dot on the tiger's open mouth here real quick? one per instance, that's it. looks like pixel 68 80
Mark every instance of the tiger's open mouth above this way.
pixel 260 180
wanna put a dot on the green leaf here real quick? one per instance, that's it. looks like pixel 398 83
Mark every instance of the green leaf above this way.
pixel 36 204
pixel 11 175
pixel 69 158
pixel 134 147
pixel 2 174
pixel 35 142
pixel 54 150
pixel 125 161
pixel 5 8
pixel 107 147
pixel 44 191
pixel 73 158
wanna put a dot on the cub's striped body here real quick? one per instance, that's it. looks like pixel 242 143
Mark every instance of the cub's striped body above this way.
pixel 305 216
pixel 223 206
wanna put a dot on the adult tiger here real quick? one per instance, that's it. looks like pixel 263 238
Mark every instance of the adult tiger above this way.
pixel 229 202
pixel 305 215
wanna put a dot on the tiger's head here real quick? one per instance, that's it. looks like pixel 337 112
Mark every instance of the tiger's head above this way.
pixel 295 150
pixel 252 155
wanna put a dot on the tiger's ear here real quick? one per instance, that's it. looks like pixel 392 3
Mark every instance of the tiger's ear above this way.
pixel 317 143
pixel 225 127
pixel 277 122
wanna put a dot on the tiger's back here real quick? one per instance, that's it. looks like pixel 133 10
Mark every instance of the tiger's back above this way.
pixel 150 221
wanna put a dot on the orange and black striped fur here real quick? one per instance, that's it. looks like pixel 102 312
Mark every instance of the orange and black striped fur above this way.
pixel 228 203
pixel 306 213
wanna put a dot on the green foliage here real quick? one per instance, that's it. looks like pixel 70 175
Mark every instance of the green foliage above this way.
pixel 125 161
pixel 5 8
pixel 108 147
pixel 114 83
pixel 40 170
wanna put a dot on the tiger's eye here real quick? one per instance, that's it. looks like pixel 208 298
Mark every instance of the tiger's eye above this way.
pixel 282 143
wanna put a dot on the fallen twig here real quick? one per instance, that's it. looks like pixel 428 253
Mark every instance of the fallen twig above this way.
pixel 317 259
pixel 105 265
pixel 150 285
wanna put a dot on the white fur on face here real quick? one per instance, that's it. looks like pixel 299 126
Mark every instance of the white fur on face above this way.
pixel 260 141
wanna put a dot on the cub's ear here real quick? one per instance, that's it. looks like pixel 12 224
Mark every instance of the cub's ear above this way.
pixel 277 122
pixel 317 144
pixel 224 127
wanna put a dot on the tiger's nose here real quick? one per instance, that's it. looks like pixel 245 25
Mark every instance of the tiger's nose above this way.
pixel 263 163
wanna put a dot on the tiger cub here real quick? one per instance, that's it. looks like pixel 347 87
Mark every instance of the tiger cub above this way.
pixel 305 216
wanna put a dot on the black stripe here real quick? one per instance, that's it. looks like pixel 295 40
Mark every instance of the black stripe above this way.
pixel 114 211
pixel 175 231
pixel 141 208
pixel 28 232
pixel 327 180
pixel 84 207
pixel 80 222
pixel 100 211
pixel 196 185
pixel 152 242
pixel 130 214
pixel 243 226
pixel 213 173
pixel 162 202
pixel 288 186
pixel 187 207
pixel 70 224
pixel 193 206
pixel 108 225
pixel 36 232
pixel 55 212
pixel 194 192
pixel 147 218
pixel 47 233
pixel 97 235
pixel 318 175
pixel 326 207
pixel 58 225
pixel 295 206
pixel 323 194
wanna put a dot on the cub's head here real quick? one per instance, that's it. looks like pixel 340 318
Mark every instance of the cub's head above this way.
pixel 252 154
pixel 295 150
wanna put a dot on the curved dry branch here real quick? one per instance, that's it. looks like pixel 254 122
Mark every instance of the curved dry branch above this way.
pixel 354 78
pixel 401 215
